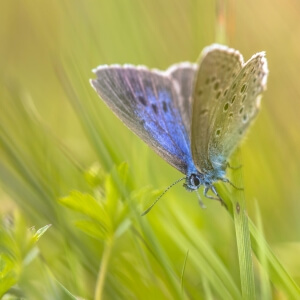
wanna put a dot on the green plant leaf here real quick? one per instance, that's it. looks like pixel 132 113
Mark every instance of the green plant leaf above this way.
pixel 88 206
pixel 114 186
pixel 8 275
pixel 40 232
pixel 94 229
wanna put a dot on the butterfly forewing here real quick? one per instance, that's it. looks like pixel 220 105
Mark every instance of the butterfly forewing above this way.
pixel 147 102
pixel 237 110
pixel 218 67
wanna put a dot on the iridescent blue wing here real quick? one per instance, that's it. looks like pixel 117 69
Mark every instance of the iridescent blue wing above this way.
pixel 148 102
pixel 218 67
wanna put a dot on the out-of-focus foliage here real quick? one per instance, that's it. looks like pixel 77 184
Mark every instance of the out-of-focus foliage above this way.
pixel 18 250
pixel 62 155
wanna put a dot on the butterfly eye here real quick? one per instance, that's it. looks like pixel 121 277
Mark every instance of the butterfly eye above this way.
pixel 195 180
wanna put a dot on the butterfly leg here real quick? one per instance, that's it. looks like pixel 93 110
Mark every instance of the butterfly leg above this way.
pixel 218 198
pixel 228 181
pixel 231 167
pixel 200 201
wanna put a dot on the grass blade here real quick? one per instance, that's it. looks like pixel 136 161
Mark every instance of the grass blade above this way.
pixel 243 236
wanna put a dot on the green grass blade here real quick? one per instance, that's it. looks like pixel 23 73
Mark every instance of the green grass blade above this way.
pixel 265 284
pixel 277 273
pixel 203 257
pixel 162 257
pixel 242 231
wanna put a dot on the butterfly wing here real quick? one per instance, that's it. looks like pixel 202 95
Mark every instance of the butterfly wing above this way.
pixel 147 102
pixel 183 75
pixel 237 109
pixel 218 67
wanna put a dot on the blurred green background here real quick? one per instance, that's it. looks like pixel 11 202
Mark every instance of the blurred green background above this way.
pixel 53 128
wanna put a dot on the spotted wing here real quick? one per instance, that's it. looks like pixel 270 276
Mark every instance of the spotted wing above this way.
pixel 147 102
pixel 218 67
pixel 237 109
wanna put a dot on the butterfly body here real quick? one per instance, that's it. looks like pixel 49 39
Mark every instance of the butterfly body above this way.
pixel 192 115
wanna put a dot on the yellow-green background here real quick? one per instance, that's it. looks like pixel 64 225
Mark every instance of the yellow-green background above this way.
pixel 47 51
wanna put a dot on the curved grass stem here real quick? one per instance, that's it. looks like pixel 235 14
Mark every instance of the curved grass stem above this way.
pixel 243 237
pixel 103 269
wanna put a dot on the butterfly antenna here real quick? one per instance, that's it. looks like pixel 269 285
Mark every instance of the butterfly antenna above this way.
pixel 199 200
pixel 150 207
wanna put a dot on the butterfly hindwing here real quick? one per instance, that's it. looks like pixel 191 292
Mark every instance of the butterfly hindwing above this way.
pixel 183 75
pixel 237 109
pixel 147 102
pixel 218 67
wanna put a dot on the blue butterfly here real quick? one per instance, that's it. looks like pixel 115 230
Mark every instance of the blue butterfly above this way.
pixel 192 115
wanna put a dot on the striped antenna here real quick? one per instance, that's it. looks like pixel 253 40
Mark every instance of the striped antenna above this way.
pixel 150 207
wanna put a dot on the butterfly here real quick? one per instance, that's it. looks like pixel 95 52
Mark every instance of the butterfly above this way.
pixel 193 114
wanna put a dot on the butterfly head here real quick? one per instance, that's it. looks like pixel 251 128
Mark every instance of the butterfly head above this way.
pixel 194 181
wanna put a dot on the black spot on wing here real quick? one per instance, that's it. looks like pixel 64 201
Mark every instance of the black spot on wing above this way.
pixel 142 100
pixel 165 107
pixel 154 108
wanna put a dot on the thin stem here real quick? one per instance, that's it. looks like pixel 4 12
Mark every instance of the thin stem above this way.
pixel 221 36
pixel 183 270
pixel 103 269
